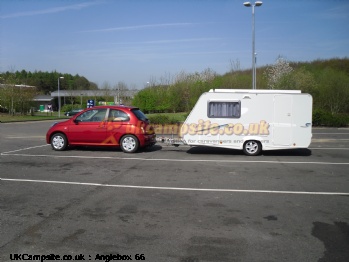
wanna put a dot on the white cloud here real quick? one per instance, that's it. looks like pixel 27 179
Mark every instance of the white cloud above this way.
pixel 50 10
pixel 136 27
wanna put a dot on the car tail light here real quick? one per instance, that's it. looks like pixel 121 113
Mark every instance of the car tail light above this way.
pixel 147 130
pixel 150 130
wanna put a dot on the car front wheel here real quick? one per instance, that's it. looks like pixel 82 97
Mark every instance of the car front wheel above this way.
pixel 252 148
pixel 59 142
pixel 129 144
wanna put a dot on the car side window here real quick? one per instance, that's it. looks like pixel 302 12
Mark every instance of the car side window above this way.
pixel 117 116
pixel 94 115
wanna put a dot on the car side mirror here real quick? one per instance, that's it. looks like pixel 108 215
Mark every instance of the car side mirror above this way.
pixel 76 121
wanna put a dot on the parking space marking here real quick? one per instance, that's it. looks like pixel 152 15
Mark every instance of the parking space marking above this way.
pixel 179 188
pixel 327 139
pixel 331 133
pixel 24 137
pixel 22 149
pixel 329 148
pixel 13 153
pixel 182 160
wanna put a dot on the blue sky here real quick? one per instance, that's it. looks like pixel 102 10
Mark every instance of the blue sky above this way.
pixel 136 41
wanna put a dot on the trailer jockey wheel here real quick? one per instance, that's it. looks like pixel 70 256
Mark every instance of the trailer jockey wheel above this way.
pixel 252 148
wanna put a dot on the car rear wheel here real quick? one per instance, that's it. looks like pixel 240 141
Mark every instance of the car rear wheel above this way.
pixel 252 148
pixel 59 142
pixel 129 144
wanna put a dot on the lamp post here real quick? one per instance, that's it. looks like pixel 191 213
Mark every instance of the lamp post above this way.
pixel 256 4
pixel 59 98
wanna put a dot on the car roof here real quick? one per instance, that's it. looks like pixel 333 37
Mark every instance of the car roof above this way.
pixel 116 107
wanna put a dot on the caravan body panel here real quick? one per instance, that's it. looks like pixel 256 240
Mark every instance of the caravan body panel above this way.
pixel 277 119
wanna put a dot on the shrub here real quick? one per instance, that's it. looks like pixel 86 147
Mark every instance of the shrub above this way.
pixel 339 120
pixel 168 118
pixel 69 107
pixel 159 119
pixel 325 118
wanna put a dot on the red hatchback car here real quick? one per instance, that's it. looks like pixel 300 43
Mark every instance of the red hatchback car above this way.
pixel 122 126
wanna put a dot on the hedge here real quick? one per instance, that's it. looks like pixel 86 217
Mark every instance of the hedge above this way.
pixel 325 118
pixel 320 118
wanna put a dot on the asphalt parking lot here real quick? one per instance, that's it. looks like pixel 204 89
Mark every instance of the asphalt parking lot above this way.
pixel 172 203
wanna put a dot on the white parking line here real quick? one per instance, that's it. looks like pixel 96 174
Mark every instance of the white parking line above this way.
pixel 182 160
pixel 328 148
pixel 179 188
pixel 24 137
pixel 314 140
pixel 331 133
pixel 22 149
pixel 12 153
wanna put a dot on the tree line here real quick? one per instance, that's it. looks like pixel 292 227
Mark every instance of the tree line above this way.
pixel 47 82
pixel 326 80
pixel 18 88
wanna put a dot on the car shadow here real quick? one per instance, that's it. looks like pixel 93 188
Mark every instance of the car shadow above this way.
pixel 112 148
pixel 150 148
pixel 226 151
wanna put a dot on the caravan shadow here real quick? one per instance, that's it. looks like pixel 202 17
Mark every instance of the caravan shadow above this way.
pixel 204 150
pixel 288 152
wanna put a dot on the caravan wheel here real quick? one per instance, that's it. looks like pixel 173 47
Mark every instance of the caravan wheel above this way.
pixel 252 148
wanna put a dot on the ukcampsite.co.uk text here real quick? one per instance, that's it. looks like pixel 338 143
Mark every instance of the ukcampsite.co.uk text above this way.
pixel 206 127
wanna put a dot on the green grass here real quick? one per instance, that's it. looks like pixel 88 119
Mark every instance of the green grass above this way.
pixel 36 117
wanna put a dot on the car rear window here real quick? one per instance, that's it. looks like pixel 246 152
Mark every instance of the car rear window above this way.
pixel 139 114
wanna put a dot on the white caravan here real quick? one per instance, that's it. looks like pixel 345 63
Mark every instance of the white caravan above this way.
pixel 250 120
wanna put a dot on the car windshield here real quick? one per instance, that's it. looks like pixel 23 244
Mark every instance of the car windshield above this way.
pixel 140 115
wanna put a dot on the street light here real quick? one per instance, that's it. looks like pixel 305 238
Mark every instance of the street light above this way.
pixel 248 4
pixel 59 98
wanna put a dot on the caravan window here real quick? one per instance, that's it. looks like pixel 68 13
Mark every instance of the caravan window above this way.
pixel 224 109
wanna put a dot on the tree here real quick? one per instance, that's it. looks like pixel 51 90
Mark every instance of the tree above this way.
pixel 122 89
pixel 146 100
pixel 16 97
pixel 106 90
pixel 334 91
pixel 24 98
pixel 8 94
pixel 301 79
pixel 46 82
pixel 277 74
pixel 80 83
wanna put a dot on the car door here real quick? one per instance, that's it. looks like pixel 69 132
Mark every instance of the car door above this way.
pixel 89 128
pixel 116 125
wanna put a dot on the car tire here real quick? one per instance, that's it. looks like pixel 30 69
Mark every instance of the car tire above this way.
pixel 129 144
pixel 252 148
pixel 59 142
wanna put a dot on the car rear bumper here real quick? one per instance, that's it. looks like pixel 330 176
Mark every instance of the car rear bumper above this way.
pixel 148 140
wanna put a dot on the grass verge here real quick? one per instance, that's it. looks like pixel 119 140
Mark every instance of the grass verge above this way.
pixel 5 118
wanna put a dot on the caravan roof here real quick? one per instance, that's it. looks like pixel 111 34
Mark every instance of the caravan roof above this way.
pixel 253 91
